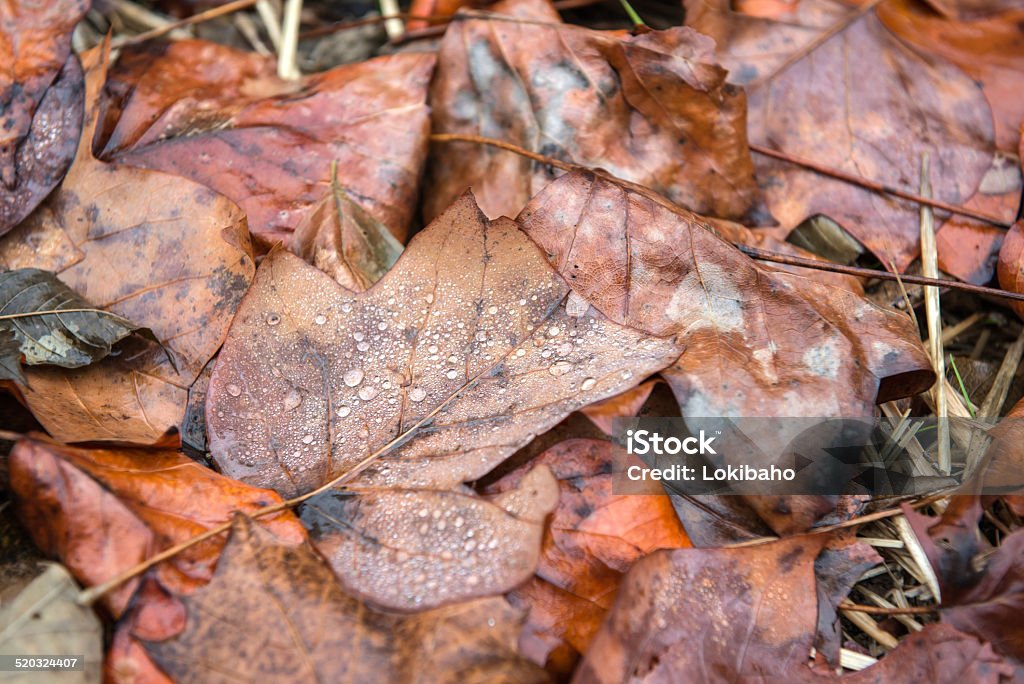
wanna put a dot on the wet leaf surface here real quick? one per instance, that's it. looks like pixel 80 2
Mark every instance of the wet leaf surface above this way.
pixel 862 102
pixel 72 339
pixel 44 620
pixel 111 248
pixel 40 102
pixel 412 550
pixel 102 511
pixel 593 538
pixel 222 118
pixel 471 355
pixel 653 109
pixel 276 612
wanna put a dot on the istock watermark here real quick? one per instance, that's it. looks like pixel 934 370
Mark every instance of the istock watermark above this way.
pixel 816 456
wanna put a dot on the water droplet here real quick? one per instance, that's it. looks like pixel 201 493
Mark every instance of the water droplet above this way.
pixel 307 439
pixel 292 401
pixel 363 346
pixel 358 336
pixel 576 306
pixel 560 368
pixel 452 374
pixel 432 349
pixel 353 377
pixel 588 384
pixel 458 522
pixel 346 307
pixel 481 336
pixel 367 393
pixel 423 513
pixel 382 326
pixel 343 411
pixel 472 580
pixel 417 394
pixel 234 390
pixel 553 331
pixel 273 319
pixel 430 298
pixel 492 310
pixel 453 359
pixel 320 319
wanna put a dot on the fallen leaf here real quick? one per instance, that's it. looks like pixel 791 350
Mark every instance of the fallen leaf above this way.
pixel 40 102
pixel 986 601
pixel 44 620
pixel 593 538
pixel 344 241
pixel 836 569
pixel 222 118
pixel 710 615
pixel 1011 264
pixel 653 109
pixel 603 413
pixel 471 352
pixel 107 232
pixel 861 102
pixel 276 613
pixel 71 340
pixel 414 549
pixel 103 511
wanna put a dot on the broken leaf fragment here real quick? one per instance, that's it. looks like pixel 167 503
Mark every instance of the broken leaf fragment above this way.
pixel 31 305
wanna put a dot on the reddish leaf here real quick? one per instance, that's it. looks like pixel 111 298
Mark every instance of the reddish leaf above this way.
pixel 653 109
pixel 275 613
pixel 1011 264
pixel 603 413
pixel 861 102
pixel 221 118
pixel 593 538
pixel 107 232
pixel 480 347
pixel 103 511
pixel 40 102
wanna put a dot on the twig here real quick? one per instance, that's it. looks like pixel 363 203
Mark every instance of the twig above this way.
pixel 952 332
pixel 57 312
pixel 394 28
pixel 878 187
pixel 895 610
pixel 271 22
pixel 287 54
pixel 933 319
pixel 209 14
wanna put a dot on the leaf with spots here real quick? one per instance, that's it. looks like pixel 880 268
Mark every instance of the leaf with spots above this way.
pixel 107 232
pixel 40 101
pixel 275 613
pixel 653 108
pixel 417 549
pixel 222 117
pixel 757 342
pixel 466 349
pixel 77 338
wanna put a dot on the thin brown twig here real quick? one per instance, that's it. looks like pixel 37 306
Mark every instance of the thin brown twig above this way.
pixel 760 254
pixel 897 610
pixel 878 187
pixel 209 14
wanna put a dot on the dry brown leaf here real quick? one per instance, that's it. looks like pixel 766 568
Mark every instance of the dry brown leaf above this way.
pixel 471 341
pixel 275 613
pixel 416 549
pixel 107 232
pixel 222 118
pixel 653 109
pixel 40 102
pixel 862 102
pixel 1011 264
pixel 603 413
pixel 103 511
pixel 593 538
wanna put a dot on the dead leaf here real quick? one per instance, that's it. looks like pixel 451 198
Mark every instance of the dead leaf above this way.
pixel 470 341
pixel 414 549
pixel 107 232
pixel 276 613
pixel 44 620
pixel 653 109
pixel 222 118
pixel 593 538
pixel 344 241
pixel 1011 264
pixel 603 413
pixel 70 340
pixel 40 102
pixel 710 615
pixel 861 102
pixel 103 511
pixel 836 569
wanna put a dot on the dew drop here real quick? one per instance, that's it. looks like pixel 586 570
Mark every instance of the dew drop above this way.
pixel 358 336
pixel 353 377
pixel 430 298
pixel 492 310
pixel 453 359
pixel 234 390
pixel 343 411
pixel 367 393
pixel 481 336
pixel 588 384
pixel 560 368
pixel 452 374
pixel 307 439
pixel 417 394
pixel 363 346
pixel 320 319
pixel 553 331
pixel 576 306
pixel 432 349
pixel 382 326
pixel 292 401
pixel 273 319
